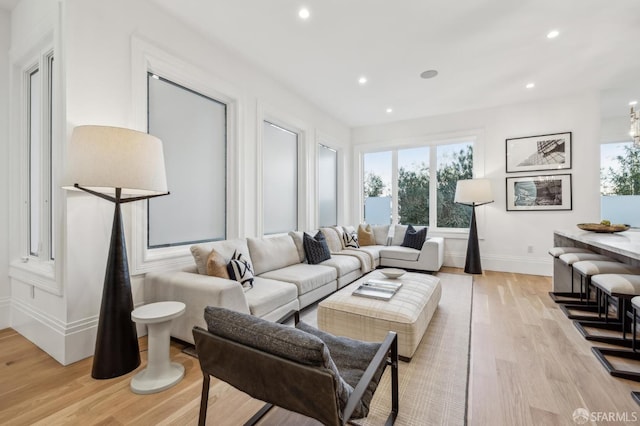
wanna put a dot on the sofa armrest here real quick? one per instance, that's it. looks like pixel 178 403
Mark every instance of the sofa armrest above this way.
pixel 196 292
pixel 432 254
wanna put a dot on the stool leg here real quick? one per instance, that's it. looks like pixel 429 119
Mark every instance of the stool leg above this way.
pixel 602 353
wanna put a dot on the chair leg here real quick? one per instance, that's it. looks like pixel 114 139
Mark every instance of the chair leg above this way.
pixel 204 400
pixel 394 384
pixel 257 416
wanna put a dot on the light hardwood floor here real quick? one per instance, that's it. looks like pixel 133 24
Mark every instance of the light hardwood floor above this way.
pixel 529 366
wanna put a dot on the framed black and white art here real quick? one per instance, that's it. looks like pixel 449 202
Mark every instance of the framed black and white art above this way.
pixel 537 153
pixel 530 193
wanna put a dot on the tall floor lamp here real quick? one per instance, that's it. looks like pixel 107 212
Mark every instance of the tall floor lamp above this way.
pixel 473 192
pixel 121 166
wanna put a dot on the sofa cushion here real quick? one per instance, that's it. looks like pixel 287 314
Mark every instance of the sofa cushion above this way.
pixel 400 253
pixel 306 277
pixel 334 240
pixel 217 265
pixel 271 253
pixel 414 239
pixel 240 270
pixel 226 248
pixel 398 234
pixel 381 234
pixel 297 237
pixel 315 248
pixel 343 264
pixel 365 236
pixel 268 295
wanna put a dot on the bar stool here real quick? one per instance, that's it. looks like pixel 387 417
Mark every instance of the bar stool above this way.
pixel 586 269
pixel 565 262
pixel 634 353
pixel 622 287
pixel 562 276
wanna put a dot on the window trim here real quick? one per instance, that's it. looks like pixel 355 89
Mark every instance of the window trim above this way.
pixel 265 112
pixel 148 57
pixel 475 136
pixel 38 270
pixel 323 141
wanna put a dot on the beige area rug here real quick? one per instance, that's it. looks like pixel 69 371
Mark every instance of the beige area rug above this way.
pixel 433 386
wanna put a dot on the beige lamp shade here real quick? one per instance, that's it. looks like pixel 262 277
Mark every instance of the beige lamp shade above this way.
pixel 102 158
pixel 473 191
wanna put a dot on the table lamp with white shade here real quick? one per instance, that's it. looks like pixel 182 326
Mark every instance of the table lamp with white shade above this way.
pixel 119 165
pixel 473 192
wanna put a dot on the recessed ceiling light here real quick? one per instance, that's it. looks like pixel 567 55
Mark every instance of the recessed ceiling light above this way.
pixel 304 13
pixel 362 80
pixel 155 76
pixel 389 110
pixel 429 74
pixel 553 34
pixel 632 103
pixel 530 85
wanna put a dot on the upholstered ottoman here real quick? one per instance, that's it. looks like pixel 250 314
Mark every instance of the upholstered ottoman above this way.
pixel 407 313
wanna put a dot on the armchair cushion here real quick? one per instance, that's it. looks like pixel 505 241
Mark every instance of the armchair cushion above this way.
pixel 286 342
pixel 351 357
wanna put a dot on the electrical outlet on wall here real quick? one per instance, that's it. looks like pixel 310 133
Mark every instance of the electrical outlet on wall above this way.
pixel 529 249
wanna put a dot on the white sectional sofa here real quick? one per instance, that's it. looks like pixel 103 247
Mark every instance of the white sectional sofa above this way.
pixel 283 281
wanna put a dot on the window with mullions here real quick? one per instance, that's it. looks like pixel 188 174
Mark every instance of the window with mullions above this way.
pixel 39 112
pixel 424 176
pixel 193 130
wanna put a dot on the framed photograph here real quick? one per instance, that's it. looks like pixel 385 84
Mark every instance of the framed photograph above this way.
pixel 549 192
pixel 537 153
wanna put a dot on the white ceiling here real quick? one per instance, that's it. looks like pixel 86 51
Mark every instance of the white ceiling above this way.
pixel 484 50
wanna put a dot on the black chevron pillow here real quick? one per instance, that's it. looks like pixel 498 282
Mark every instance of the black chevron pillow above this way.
pixel 240 270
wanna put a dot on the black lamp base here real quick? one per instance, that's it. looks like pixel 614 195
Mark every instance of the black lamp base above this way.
pixel 472 263
pixel 117 352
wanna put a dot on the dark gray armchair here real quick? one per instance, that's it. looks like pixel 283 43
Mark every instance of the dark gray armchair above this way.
pixel 301 369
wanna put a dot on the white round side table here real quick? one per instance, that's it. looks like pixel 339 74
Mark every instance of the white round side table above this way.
pixel 160 373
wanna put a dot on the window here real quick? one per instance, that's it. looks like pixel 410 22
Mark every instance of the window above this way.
pixel 327 186
pixel 192 128
pixel 454 162
pixel 377 187
pixel 620 183
pixel 413 186
pixel 39 110
pixel 423 177
pixel 280 179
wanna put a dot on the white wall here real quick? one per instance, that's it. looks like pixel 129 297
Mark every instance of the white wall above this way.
pixel 98 88
pixel 5 290
pixel 506 236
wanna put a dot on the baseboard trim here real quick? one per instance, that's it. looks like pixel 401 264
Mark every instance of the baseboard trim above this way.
pixel 5 312
pixel 65 342
pixel 530 264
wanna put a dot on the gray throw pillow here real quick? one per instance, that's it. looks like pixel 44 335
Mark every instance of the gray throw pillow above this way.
pixel 316 248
